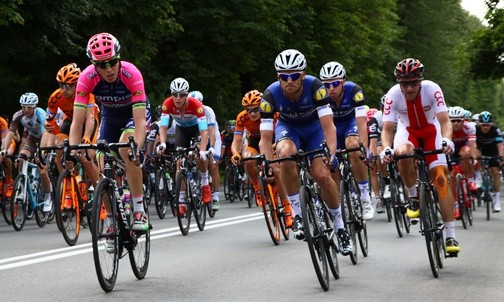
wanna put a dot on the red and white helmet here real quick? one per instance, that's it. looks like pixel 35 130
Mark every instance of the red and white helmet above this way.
pixel 102 47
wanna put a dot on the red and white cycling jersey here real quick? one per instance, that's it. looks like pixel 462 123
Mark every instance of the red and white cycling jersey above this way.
pixel 464 135
pixel 417 121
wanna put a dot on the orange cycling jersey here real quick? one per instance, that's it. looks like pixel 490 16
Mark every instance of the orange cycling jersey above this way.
pixel 57 100
pixel 4 127
pixel 243 122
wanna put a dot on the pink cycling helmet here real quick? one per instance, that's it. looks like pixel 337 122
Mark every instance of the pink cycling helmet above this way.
pixel 102 47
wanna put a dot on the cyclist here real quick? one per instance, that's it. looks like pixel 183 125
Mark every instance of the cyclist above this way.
pixel 304 117
pixel 61 102
pixel 214 147
pixel 32 118
pixel 349 115
pixel 227 136
pixel 464 138
pixel 118 86
pixel 489 142
pixel 374 132
pixel 189 115
pixel 10 148
pixel 421 111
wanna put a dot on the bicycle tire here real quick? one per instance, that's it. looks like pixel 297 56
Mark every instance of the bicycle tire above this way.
pixel 269 211
pixel 388 208
pixel 397 208
pixel 428 226
pixel 6 209
pixel 139 254
pixel 106 263
pixel 460 199
pixel 184 221
pixel 283 225
pixel 67 219
pixel 40 216
pixel 360 223
pixel 198 206
pixel 348 219
pixel 161 199
pixel 314 237
pixel 331 246
pixel 469 205
pixel 250 193
pixel 19 207
pixel 238 186
pixel 228 194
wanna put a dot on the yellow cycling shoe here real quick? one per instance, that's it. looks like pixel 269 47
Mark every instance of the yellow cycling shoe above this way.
pixel 452 246
pixel 413 210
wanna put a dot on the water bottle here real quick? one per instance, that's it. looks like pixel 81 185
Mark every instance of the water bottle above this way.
pixel 90 192
pixel 169 182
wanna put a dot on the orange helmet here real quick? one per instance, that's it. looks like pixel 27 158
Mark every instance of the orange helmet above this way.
pixel 68 74
pixel 252 98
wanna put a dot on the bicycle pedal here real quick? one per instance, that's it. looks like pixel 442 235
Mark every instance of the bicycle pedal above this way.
pixel 451 255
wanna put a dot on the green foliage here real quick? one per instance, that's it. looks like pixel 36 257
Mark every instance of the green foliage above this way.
pixel 226 48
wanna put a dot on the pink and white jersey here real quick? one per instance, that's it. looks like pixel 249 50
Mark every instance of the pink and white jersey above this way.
pixel 418 113
pixel 127 90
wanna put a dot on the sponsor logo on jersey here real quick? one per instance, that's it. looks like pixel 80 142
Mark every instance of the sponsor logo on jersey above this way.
pixel 266 107
pixel 358 97
pixel 200 110
pixel 163 108
pixel 81 93
pixel 320 94
pixel 137 93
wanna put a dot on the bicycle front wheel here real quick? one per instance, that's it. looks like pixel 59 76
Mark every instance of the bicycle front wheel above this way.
pixel 314 236
pixel 67 213
pixel 139 255
pixel 331 246
pixel 104 235
pixel 183 219
pixel 349 219
pixel 269 203
pixel 19 203
pixel 429 226
pixel 6 206
pixel 198 206
pixel 460 200
pixel 161 199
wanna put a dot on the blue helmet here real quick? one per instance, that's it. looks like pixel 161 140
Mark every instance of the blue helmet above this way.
pixel 485 117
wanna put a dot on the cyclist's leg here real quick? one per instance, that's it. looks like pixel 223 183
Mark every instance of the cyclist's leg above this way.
pixel 7 162
pixel 214 172
pixel 495 169
pixel 251 171
pixel 404 143
pixel 46 141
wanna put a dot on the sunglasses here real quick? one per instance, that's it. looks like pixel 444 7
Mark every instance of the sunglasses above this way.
pixel 106 64
pixel 26 106
pixel 286 76
pixel 66 86
pixel 485 125
pixel 456 121
pixel 179 95
pixel 253 110
pixel 405 84
pixel 333 84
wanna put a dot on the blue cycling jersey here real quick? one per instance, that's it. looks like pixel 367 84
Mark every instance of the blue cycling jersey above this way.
pixel 352 98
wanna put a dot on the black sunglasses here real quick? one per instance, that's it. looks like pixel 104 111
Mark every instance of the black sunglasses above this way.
pixel 405 84
pixel 253 110
pixel 106 64
pixel 179 95
pixel 66 86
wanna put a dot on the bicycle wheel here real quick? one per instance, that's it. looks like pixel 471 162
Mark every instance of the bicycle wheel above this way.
pixel 397 208
pixel 360 223
pixel 184 220
pixel 104 233
pixel 228 183
pixel 238 186
pixel 250 193
pixel 348 215
pixel 40 216
pixel 428 227
pixel 161 199
pixel 388 208
pixel 460 199
pixel 139 253
pixel 68 218
pixel 269 202
pixel 330 244
pixel 19 203
pixel 314 236
pixel 198 206
pixel 5 203
pixel 281 218
pixel 468 211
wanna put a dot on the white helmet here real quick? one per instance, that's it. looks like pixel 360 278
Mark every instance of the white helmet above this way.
pixel 456 112
pixel 475 117
pixel 29 99
pixel 197 94
pixel 332 70
pixel 290 59
pixel 179 85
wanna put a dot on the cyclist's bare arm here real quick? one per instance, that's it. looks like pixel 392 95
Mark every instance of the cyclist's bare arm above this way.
pixel 265 143
pixel 362 130
pixel 90 122
pixel 79 119
pixel 446 126
pixel 140 125
pixel 329 132
pixel 387 134
pixel 211 133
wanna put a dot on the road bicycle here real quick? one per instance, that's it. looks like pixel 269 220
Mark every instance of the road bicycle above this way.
pixel 318 225
pixel 487 184
pixel 463 198
pixel 111 228
pixel 4 199
pixel 164 184
pixel 351 205
pixel 27 198
pixel 431 226
pixel 234 177
pixel 271 204
pixel 398 199
pixel 73 196
pixel 189 183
